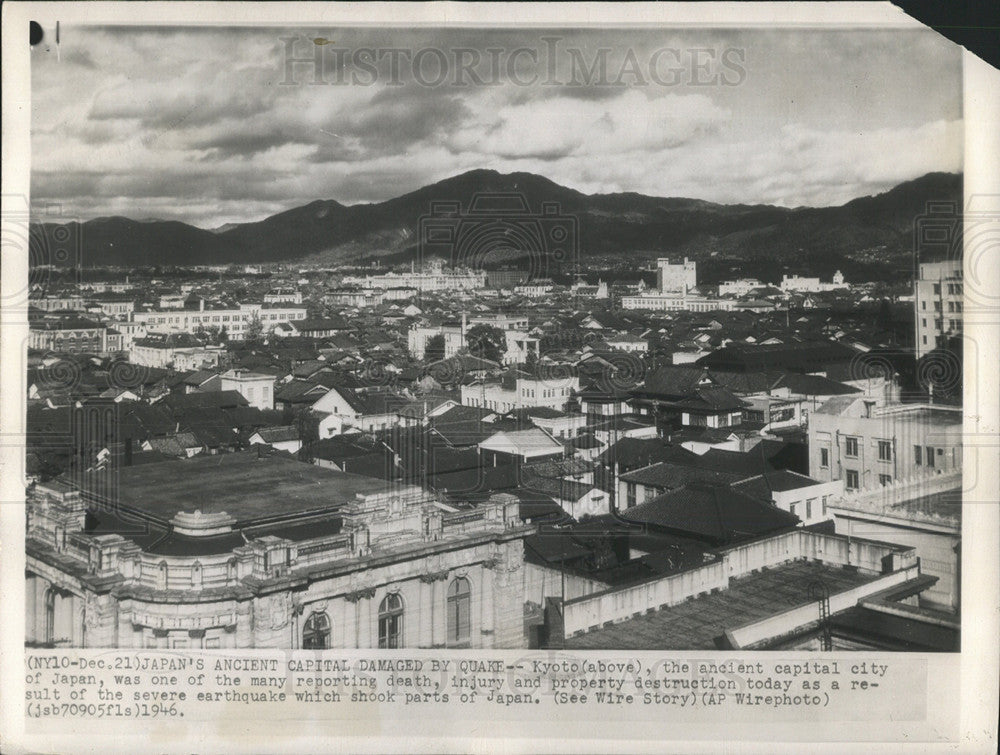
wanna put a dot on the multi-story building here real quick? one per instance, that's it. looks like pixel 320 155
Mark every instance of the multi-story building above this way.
pixel 283 296
pixel 177 350
pixel 236 321
pixel 68 335
pixel 519 342
pixel 244 550
pixel 795 283
pixel 921 512
pixel 73 302
pixel 937 302
pixel 519 390
pixel 435 278
pixel 866 444
pixel 680 277
pixel 255 387
pixel 740 287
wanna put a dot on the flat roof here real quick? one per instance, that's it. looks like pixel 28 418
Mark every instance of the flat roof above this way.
pixel 248 488
pixel 695 624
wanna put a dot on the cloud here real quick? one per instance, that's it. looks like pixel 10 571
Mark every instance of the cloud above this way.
pixel 196 124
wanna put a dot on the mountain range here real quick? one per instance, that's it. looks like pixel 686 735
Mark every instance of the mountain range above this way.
pixel 866 236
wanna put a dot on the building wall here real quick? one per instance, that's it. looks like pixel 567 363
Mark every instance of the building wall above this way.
pixel 938 303
pixel 679 277
pixel 904 428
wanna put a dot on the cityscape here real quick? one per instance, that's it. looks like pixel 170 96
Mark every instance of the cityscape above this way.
pixel 497 408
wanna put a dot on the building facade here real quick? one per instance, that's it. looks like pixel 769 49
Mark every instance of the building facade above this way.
pixel 938 303
pixel 865 445
pixel 368 566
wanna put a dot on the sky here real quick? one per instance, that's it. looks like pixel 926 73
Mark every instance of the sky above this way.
pixel 215 125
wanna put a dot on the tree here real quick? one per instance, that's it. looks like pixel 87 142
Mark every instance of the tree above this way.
pixel 254 330
pixel 486 342
pixel 434 348
pixel 223 334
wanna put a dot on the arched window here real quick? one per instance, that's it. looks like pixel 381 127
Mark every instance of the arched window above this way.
pixel 390 622
pixel 196 574
pixel 459 600
pixel 316 631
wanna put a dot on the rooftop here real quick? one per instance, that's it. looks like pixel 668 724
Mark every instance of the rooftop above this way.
pixel 248 487
pixel 696 624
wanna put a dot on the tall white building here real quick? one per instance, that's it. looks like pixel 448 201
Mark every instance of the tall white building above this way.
pixel 676 277
pixel 937 301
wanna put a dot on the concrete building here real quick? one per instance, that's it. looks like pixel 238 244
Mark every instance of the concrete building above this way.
pixel 242 551
pixel 753 595
pixel 67 335
pixel 434 278
pixel 520 344
pixel 519 390
pixel 740 287
pixel 178 350
pixel 236 321
pixel 937 302
pixel 923 512
pixel 797 284
pixel 255 387
pixel 283 296
pixel 865 445
pixel 800 496
pixel 680 277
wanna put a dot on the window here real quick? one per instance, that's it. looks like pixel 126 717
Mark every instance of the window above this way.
pixel 824 457
pixel 459 602
pixel 809 508
pixel 648 493
pixel 629 495
pixel 930 456
pixel 884 479
pixel 316 631
pixel 196 575
pixel 161 581
pixel 884 450
pixel 390 622
pixel 917 454
pixel 937 288
pixel 791 509
pixel 851 447
pixel 824 504
pixel 852 479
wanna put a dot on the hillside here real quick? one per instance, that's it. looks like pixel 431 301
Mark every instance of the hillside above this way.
pixel 866 235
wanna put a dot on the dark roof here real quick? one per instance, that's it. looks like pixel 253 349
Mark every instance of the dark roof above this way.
pixel 278 434
pixel 763 485
pixel 716 513
pixel 246 485
pixel 670 380
pixel 671 476
pixel 205 400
